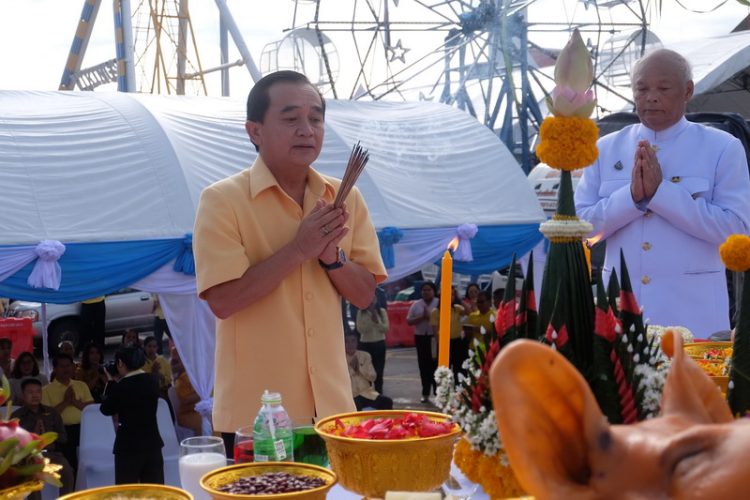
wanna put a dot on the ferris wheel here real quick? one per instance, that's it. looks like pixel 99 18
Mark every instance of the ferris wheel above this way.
pixel 491 58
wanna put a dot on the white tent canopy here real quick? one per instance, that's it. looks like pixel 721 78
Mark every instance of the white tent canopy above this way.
pixel 111 166
pixel 116 178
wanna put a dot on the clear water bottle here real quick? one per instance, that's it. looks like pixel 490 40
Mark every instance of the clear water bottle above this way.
pixel 272 431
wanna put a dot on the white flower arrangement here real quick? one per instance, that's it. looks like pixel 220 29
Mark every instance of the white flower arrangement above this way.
pixel 564 228
pixel 658 330
pixel 480 427
pixel 446 390
pixel 651 379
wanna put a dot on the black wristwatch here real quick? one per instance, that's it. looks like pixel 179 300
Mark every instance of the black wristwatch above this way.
pixel 334 265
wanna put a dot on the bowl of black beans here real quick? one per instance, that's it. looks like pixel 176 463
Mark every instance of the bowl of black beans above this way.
pixel 260 480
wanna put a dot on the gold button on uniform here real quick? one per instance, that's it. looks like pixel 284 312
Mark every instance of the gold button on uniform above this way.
pixel 646 245
pixel 676 178
pixel 645 280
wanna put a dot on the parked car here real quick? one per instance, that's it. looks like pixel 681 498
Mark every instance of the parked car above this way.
pixel 126 308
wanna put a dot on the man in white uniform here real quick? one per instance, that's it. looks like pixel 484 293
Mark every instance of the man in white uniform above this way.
pixel 668 192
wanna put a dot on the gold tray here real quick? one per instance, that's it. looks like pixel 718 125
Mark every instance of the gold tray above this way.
pixel 696 349
pixel 131 491
pixel 231 473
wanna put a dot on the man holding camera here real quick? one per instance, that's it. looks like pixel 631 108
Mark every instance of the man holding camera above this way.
pixel 134 399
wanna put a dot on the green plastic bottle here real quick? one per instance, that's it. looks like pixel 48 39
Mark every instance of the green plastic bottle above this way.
pixel 272 431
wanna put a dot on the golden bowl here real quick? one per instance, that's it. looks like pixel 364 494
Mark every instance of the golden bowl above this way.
pixel 696 349
pixel 131 491
pixel 373 467
pixel 225 475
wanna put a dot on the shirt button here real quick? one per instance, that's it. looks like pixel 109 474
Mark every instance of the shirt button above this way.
pixel 646 245
pixel 308 295
pixel 648 213
pixel 645 280
pixel 676 178
pixel 312 370
pixel 310 332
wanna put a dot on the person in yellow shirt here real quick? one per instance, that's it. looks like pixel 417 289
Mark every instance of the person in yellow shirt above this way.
pixel 273 259
pixel 458 345
pixel 482 319
pixel 68 397
pixel 157 365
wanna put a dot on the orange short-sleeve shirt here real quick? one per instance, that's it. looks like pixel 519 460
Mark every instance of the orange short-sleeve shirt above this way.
pixel 290 341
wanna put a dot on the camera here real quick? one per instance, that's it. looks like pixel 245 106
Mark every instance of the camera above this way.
pixel 111 367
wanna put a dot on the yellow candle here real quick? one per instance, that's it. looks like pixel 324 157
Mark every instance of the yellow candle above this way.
pixel 444 332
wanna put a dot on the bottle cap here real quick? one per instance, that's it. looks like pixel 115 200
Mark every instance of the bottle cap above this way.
pixel 270 397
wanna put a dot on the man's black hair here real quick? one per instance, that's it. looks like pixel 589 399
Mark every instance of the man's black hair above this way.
pixel 431 285
pixel 258 99
pixel 59 357
pixel 29 381
pixel 132 356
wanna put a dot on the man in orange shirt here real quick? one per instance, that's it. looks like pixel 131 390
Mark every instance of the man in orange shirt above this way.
pixel 273 259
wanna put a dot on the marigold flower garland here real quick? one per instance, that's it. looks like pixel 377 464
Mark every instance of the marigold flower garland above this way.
pixel 568 142
pixel 497 479
pixel 735 252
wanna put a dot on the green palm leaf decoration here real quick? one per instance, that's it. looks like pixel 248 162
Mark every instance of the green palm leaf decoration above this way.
pixel 738 389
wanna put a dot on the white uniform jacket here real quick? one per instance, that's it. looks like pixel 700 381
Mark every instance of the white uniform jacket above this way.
pixel 671 242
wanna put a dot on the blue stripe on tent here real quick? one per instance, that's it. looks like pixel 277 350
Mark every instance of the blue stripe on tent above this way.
pixel 493 247
pixel 93 269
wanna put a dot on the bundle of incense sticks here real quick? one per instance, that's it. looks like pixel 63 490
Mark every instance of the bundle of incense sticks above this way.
pixel 357 161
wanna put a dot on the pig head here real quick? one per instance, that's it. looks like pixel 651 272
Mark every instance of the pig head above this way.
pixel 561 446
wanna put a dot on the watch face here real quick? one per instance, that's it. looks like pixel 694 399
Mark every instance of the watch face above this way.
pixel 342 255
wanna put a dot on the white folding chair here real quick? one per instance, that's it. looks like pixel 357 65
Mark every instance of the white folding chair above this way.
pixel 96 463
pixel 171 450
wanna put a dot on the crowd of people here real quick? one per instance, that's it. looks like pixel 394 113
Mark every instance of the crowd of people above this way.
pixel 56 404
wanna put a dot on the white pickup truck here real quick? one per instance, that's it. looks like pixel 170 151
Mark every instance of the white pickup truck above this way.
pixel 126 308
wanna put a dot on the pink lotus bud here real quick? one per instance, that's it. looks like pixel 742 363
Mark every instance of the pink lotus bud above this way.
pixel 567 102
pixel 574 68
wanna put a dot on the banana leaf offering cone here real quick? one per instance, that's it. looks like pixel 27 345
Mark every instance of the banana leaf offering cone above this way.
pixel 568 142
pixel 566 283
pixel 735 253
pixel 505 324
pixel 738 388
pixel 526 315
pixel 602 380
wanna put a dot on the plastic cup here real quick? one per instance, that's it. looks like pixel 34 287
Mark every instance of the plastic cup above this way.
pixel 309 447
pixel 198 456
pixel 243 445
